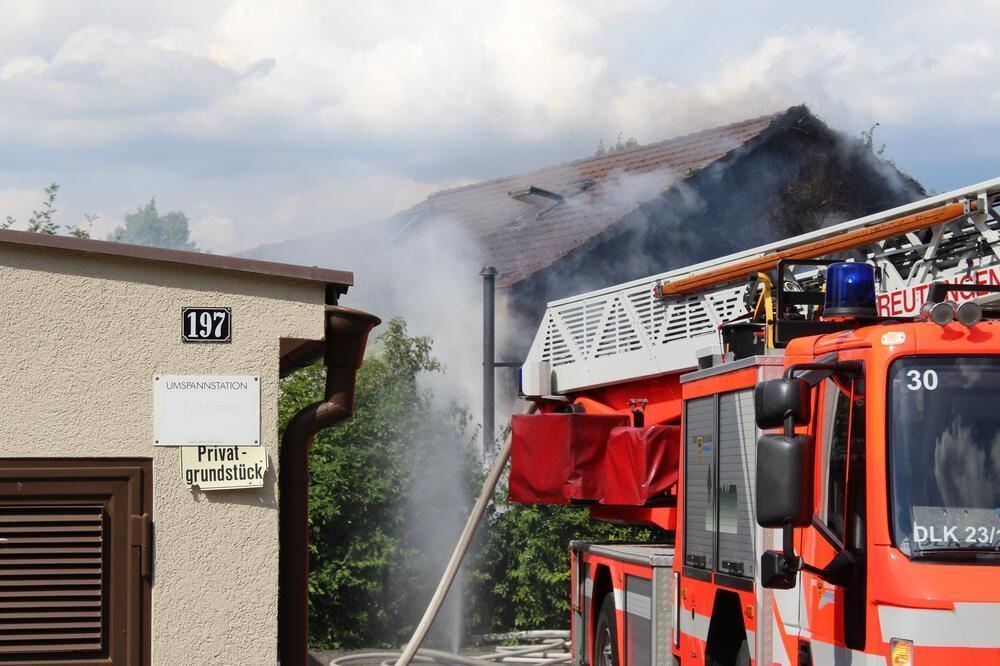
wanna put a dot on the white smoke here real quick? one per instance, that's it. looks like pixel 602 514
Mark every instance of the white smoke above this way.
pixel 431 280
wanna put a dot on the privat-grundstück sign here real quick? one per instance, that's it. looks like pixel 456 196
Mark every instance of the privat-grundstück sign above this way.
pixel 223 467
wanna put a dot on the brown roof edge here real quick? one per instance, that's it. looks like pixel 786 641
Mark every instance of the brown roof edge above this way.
pixel 341 279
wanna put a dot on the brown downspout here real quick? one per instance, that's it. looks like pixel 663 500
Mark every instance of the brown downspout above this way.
pixel 346 333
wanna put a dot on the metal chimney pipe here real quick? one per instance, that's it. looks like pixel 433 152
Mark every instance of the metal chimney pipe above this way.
pixel 346 333
pixel 489 274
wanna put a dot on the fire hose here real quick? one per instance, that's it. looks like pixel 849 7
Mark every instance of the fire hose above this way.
pixel 552 651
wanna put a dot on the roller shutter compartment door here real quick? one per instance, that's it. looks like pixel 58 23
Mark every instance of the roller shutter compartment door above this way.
pixel 699 483
pixel 75 554
pixel 737 473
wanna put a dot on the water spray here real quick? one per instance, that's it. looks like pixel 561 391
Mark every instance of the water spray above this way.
pixel 458 555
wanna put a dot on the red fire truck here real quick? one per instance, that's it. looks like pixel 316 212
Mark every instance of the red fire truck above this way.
pixel 816 443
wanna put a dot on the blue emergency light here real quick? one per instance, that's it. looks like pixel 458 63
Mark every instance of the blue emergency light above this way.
pixel 850 290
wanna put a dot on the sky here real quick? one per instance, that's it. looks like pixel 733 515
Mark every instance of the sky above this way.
pixel 265 121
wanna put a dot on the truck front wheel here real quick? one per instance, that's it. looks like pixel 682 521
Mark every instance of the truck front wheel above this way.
pixel 606 634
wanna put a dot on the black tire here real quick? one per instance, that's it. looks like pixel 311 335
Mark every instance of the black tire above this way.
pixel 606 634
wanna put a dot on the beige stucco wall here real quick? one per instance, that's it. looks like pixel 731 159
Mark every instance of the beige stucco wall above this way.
pixel 83 337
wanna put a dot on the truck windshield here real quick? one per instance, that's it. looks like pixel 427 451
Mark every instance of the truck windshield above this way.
pixel 944 457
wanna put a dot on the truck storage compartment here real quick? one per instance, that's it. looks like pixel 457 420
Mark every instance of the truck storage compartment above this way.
pixel 557 458
pixel 640 464
pixel 643 576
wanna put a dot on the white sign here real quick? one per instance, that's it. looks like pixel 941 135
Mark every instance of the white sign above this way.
pixel 206 410
pixel 223 467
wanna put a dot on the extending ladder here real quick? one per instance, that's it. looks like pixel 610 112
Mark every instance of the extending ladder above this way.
pixel 657 324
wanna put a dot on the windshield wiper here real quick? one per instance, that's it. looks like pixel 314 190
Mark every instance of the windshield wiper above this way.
pixel 959 552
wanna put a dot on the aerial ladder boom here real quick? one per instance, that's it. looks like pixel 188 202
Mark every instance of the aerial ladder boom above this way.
pixel 661 324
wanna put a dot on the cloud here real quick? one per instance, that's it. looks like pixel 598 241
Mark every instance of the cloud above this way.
pixel 282 117
pixel 19 204
pixel 358 198
pixel 404 73
pixel 213 231
pixel 106 80
pixel 850 79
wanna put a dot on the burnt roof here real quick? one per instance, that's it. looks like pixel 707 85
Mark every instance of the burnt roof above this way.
pixel 340 280
pixel 524 223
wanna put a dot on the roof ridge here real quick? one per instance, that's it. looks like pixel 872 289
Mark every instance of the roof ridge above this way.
pixel 616 155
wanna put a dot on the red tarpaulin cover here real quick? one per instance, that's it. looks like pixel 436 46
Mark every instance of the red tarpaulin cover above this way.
pixel 556 458
pixel 640 464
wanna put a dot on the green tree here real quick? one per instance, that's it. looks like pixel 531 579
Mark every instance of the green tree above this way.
pixel 79 231
pixel 41 220
pixel 868 138
pixel 146 226
pixel 620 145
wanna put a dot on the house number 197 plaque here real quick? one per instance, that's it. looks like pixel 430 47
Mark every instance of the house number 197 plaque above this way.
pixel 206 324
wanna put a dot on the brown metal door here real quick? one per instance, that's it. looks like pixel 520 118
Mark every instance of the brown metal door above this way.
pixel 75 554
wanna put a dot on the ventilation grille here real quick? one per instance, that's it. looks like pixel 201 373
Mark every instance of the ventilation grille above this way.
pixel 51 579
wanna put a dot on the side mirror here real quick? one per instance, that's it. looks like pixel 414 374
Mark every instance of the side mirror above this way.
pixel 784 480
pixel 778 399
